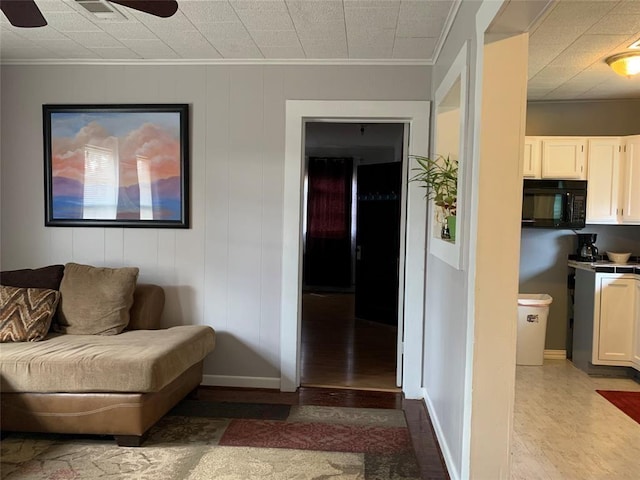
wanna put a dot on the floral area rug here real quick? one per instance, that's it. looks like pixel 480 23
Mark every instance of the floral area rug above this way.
pixel 229 441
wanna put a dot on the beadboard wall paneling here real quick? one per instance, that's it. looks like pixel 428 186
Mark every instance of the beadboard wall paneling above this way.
pixel 273 124
pixel 225 270
pixel 216 262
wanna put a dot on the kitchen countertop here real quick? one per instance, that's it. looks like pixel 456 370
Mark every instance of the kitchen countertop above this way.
pixel 604 266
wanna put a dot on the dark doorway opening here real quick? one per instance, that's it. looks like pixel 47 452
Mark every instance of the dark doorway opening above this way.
pixel 327 255
pixel 351 231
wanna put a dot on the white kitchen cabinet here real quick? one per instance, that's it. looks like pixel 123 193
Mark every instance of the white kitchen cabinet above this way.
pixel 531 167
pixel 603 179
pixel 563 157
pixel 631 180
pixel 611 166
pixel 615 318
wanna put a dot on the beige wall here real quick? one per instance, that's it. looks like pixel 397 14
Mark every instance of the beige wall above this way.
pixel 584 118
pixel 497 254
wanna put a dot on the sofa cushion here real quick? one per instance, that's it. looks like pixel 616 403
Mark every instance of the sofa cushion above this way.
pixel 45 277
pixel 148 302
pixel 26 313
pixel 134 361
pixel 95 300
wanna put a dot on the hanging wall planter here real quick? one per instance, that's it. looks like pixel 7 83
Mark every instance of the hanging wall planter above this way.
pixel 439 176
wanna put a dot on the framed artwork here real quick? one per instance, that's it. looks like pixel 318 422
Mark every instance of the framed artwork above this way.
pixel 116 165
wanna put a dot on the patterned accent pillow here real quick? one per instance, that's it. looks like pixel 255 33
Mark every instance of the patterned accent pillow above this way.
pixel 25 313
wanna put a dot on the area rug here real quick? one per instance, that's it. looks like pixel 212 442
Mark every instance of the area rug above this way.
pixel 628 402
pixel 229 441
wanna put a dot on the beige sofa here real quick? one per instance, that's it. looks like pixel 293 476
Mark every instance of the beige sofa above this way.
pixel 116 385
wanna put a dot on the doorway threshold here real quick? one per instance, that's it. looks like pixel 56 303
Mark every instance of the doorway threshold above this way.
pixel 352 387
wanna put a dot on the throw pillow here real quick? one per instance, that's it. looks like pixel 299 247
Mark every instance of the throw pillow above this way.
pixel 95 300
pixel 45 277
pixel 25 313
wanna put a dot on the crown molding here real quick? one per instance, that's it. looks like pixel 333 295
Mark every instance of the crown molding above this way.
pixel 144 62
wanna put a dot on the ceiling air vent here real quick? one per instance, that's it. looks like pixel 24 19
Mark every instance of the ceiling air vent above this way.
pixel 101 9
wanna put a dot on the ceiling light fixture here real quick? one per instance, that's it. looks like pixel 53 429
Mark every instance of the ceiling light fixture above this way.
pixel 626 64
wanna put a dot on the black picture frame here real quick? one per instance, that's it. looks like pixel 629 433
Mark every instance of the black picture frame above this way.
pixel 121 165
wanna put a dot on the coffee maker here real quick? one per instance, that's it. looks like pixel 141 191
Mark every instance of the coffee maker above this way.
pixel 587 251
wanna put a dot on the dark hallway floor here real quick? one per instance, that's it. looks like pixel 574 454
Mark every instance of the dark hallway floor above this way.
pixel 341 351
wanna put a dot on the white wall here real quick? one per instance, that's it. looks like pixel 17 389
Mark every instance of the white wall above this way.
pixel 447 289
pixel 469 358
pixel 224 271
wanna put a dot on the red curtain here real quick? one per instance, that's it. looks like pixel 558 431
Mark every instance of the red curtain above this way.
pixel 328 206
pixel 328 242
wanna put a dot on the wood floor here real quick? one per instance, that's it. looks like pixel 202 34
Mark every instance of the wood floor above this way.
pixel 340 351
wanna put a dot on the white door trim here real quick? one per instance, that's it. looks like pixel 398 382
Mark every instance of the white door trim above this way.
pixel 416 114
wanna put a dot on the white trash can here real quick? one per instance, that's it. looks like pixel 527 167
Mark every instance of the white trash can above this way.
pixel 533 311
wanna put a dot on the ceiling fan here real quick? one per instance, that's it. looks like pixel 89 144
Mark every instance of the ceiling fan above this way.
pixel 26 14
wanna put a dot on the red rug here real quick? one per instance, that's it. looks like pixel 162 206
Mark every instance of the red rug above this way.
pixel 628 402
pixel 316 436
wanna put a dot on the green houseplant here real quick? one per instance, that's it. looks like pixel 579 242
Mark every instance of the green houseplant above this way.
pixel 439 176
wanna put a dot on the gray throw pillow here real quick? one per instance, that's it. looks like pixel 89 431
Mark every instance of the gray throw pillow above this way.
pixel 95 300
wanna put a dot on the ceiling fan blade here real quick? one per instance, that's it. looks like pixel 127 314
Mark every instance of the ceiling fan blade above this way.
pixel 159 8
pixel 22 13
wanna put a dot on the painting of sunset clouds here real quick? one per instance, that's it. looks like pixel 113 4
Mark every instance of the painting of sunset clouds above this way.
pixel 118 165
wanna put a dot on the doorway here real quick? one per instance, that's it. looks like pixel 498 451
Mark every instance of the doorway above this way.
pixel 351 254
pixel 298 112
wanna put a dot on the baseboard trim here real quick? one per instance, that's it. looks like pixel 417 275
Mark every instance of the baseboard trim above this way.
pixel 555 354
pixel 242 382
pixel 444 447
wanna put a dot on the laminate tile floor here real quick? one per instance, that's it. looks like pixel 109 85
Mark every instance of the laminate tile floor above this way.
pixel 565 430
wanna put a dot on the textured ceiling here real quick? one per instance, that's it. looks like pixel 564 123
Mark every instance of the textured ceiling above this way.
pixel 568 46
pixel 566 57
pixel 237 29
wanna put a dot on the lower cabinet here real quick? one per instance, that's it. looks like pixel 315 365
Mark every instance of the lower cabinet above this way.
pixel 616 318
pixel 636 337
pixel 606 326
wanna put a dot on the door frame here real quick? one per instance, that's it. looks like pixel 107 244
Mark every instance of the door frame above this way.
pixel 416 114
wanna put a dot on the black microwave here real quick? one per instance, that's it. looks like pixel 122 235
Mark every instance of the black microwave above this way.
pixel 554 203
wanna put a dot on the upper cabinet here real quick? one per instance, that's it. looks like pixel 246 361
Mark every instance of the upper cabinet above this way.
pixel 603 180
pixel 531 167
pixel 563 158
pixel 631 180
pixel 611 166
pixel 554 157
